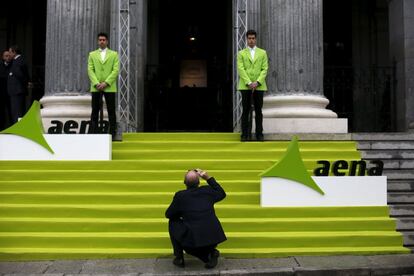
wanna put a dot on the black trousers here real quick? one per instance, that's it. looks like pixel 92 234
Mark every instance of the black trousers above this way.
pixel 17 105
pixel 4 110
pixel 110 104
pixel 247 103
pixel 203 253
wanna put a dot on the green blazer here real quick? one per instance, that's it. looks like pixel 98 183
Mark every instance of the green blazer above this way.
pixel 252 70
pixel 103 71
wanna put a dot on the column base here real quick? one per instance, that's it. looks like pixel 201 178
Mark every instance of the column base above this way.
pixel 304 125
pixel 296 106
pixel 300 114
pixel 70 114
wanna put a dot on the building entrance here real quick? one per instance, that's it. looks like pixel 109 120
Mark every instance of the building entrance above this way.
pixel 23 23
pixel 189 72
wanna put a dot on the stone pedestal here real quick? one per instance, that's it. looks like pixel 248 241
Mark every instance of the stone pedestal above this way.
pixel 296 106
pixel 66 108
pixel 305 125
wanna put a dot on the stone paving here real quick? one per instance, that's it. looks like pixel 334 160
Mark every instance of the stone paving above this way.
pixel 301 266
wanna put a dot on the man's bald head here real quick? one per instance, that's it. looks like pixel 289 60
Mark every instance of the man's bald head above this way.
pixel 191 179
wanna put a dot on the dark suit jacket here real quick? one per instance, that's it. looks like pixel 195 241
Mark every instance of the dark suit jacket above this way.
pixel 193 221
pixel 18 77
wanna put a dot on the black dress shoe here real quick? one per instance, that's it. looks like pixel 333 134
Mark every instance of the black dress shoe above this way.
pixel 179 261
pixel 212 263
pixel 243 138
pixel 260 137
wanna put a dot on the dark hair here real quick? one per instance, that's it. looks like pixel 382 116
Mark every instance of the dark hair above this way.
pixel 16 49
pixel 251 32
pixel 103 34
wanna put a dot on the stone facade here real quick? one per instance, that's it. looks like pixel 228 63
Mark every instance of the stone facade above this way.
pixel 290 30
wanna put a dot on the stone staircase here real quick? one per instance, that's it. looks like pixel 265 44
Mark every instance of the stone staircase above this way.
pixel 53 210
pixel 396 150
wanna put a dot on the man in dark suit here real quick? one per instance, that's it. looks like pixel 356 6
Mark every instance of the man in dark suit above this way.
pixel 17 82
pixel 4 98
pixel 194 226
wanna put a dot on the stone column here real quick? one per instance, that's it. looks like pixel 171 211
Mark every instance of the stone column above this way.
pixel 254 16
pixel 72 27
pixel 292 33
pixel 401 20
pixel 139 55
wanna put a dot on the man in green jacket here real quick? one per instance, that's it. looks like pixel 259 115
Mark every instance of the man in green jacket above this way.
pixel 103 68
pixel 252 66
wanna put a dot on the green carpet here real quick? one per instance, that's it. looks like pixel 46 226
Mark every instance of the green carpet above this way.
pixel 115 209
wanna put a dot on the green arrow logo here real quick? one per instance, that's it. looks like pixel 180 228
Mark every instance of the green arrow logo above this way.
pixel 291 167
pixel 30 127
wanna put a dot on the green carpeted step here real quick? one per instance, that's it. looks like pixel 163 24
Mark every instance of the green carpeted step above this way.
pixel 116 186
pixel 229 224
pixel 170 164
pixel 211 153
pixel 156 210
pixel 112 198
pixel 179 136
pixel 235 239
pixel 11 254
pixel 231 145
pixel 121 174
pixel 309 251
pixel 125 175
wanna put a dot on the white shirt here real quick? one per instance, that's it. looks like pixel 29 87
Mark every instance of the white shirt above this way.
pixel 17 56
pixel 103 53
pixel 252 51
